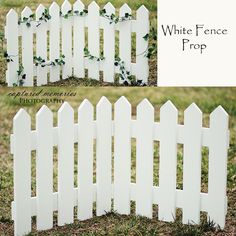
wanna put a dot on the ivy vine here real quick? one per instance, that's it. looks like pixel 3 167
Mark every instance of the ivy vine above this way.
pixel 74 13
pixel 45 17
pixel 7 57
pixel 39 61
pixel 21 76
pixel 28 20
pixel 113 18
pixel 152 48
pixel 125 75
pixel 88 55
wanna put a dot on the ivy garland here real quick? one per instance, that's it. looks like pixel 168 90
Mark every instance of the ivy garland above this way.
pixel 113 18
pixel 21 76
pixel 39 61
pixel 74 13
pixel 7 57
pixel 125 75
pixel 28 20
pixel 88 55
pixel 152 49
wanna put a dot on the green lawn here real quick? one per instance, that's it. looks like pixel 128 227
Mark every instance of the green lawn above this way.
pixel 113 224
pixel 6 5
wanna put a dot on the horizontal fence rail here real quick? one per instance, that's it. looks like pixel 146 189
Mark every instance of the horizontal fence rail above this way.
pixel 103 130
pixel 69 39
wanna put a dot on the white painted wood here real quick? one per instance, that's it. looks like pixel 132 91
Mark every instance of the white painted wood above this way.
pixel 103 158
pixel 27 48
pixel 142 24
pixel 156 191
pixel 93 39
pixel 109 45
pixel 85 160
pixel 66 41
pixel 144 158
pixel 122 156
pixel 44 168
pixel 54 40
pixel 192 164
pixel 12 46
pixel 125 38
pixel 218 166
pixel 65 164
pixel 168 161
pixel 41 46
pixel 22 173
pixel 79 40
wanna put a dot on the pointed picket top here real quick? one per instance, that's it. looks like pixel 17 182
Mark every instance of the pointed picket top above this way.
pixel 21 116
pixel 93 6
pixel 145 106
pixel 54 7
pixel 193 109
pixel 86 105
pixel 167 107
pixel 26 12
pixel 110 9
pixel 44 112
pixel 66 107
pixel 219 118
pixel 122 102
pixel 103 102
pixel 66 6
pixel 78 5
pixel 142 11
pixel 40 9
pixel 12 14
pixel 125 9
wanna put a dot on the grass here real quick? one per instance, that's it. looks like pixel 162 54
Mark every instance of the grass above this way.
pixel 114 224
pixel 6 5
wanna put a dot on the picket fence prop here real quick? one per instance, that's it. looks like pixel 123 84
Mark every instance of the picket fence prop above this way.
pixel 103 129
pixel 71 22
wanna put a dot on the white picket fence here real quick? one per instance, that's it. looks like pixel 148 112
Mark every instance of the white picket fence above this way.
pixel 103 129
pixel 72 42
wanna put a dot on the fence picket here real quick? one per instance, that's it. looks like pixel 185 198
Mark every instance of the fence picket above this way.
pixel 168 161
pixel 41 46
pixel 218 166
pixel 27 48
pixel 79 40
pixel 12 47
pixel 44 168
pixel 103 158
pixel 144 158
pixel 109 45
pixel 54 40
pixel 192 164
pixel 85 161
pixel 22 173
pixel 122 156
pixel 65 164
pixel 93 39
pixel 142 25
pixel 125 38
pixel 66 40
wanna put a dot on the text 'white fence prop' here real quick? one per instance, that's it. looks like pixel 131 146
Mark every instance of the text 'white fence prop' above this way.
pixel 123 128
pixel 67 30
